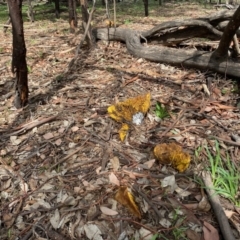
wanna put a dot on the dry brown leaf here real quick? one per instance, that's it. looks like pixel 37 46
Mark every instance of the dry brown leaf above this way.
pixel 149 163
pixel 113 179
pixel 8 219
pixel 224 107
pixel 229 213
pixel 124 197
pixel 74 128
pixel 48 136
pixel 204 205
pixel 108 211
pixel 115 163
pixel 192 235
pixel 58 142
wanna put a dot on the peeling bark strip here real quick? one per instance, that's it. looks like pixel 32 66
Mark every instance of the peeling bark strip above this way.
pixel 19 64
pixel 174 32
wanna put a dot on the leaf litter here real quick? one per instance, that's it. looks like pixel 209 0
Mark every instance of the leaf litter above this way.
pixel 62 163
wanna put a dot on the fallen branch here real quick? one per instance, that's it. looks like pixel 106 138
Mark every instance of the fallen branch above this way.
pixel 31 125
pixel 216 205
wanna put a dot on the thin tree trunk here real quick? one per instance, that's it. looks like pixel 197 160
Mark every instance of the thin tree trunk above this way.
pixel 5 28
pixel 72 15
pixel 227 37
pixel 145 2
pixel 57 8
pixel 30 11
pixel 19 64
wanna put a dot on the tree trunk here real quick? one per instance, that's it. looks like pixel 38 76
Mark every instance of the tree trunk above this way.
pixel 72 15
pixel 19 64
pixel 229 32
pixel 57 8
pixel 145 2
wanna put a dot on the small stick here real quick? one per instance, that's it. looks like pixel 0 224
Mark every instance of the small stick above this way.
pixel 69 155
pixel 86 29
pixel 174 123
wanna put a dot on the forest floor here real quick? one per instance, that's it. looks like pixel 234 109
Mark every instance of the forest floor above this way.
pixel 63 168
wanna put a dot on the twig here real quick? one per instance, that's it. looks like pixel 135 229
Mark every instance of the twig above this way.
pixel 86 29
pixel 173 124
pixel 226 141
pixel 218 210
pixel 135 222
pixel 130 81
pixel 69 155
pixel 66 51
pixel 30 125
pixel 138 190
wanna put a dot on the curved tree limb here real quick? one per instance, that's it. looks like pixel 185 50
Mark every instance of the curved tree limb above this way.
pixel 172 56
pixel 173 24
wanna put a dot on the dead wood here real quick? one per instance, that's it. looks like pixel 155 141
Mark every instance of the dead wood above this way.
pixel 185 23
pixel 175 32
pixel 179 57
pixel 228 34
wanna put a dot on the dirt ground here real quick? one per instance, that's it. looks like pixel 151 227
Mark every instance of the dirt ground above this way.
pixel 62 162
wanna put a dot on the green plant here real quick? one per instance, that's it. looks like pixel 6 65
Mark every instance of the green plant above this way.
pixel 161 111
pixel 159 236
pixel 29 69
pixel 155 236
pixel 59 78
pixel 179 233
pixel 127 21
pixel 224 174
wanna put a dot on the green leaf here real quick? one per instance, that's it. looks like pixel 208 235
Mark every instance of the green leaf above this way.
pixel 161 111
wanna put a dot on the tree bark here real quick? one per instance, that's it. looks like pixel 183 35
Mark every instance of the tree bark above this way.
pixel 229 32
pixel 19 64
pixel 57 8
pixel 145 2
pixel 72 15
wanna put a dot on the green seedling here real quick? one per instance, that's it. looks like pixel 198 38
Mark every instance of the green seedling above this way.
pixel 180 233
pixel 161 111
pixel 29 69
pixel 225 175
